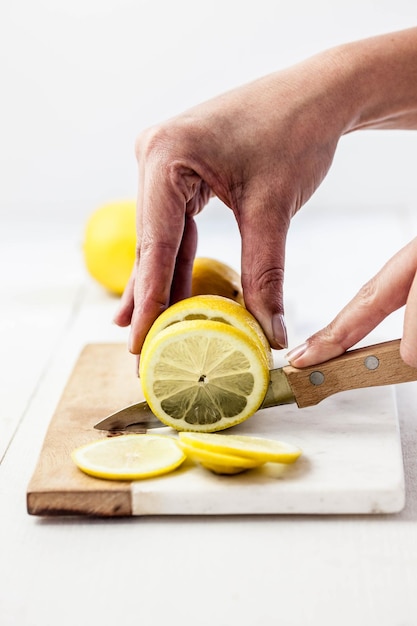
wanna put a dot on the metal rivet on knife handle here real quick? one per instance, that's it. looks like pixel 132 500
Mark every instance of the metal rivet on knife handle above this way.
pixel 350 371
pixel 316 378
pixel 371 362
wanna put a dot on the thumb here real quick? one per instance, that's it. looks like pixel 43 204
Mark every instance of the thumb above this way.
pixel 264 230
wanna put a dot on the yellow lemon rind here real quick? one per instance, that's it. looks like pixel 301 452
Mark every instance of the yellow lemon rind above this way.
pixel 263 449
pixel 109 244
pixel 211 276
pixel 218 462
pixel 215 308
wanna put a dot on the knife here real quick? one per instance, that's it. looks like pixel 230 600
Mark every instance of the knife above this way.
pixel 370 366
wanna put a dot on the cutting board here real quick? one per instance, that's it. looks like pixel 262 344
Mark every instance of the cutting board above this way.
pixel 351 461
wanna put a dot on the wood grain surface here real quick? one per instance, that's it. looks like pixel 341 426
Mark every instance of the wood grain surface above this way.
pixel 103 380
pixel 338 472
pixel 370 366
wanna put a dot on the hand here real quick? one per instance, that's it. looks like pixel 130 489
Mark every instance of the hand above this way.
pixel 262 149
pixel 393 287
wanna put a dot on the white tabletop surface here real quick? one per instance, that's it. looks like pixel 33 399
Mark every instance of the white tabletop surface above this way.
pixel 246 570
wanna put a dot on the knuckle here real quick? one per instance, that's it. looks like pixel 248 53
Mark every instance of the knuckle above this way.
pixel 372 303
pixel 334 335
pixel 165 148
pixel 267 281
pixel 367 294
pixel 162 249
pixel 153 142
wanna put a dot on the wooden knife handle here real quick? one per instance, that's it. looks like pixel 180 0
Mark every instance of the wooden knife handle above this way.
pixel 380 364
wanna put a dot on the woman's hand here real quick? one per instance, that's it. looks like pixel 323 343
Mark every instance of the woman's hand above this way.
pixel 394 286
pixel 263 149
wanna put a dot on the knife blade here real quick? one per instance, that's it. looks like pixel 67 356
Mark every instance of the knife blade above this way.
pixel 371 366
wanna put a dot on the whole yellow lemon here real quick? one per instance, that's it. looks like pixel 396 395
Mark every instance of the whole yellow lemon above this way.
pixel 109 244
pixel 215 278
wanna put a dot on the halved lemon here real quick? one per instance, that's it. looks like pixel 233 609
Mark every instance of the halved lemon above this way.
pixel 219 463
pixel 203 375
pixel 215 308
pixel 129 457
pixel 258 449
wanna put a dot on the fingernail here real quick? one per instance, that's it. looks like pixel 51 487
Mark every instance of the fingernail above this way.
pixel 279 330
pixel 295 353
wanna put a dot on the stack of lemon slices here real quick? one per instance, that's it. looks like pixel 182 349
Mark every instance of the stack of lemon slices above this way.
pixel 205 364
pixel 232 454
pixel 134 457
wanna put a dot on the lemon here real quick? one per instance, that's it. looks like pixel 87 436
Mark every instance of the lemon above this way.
pixel 216 278
pixel 203 375
pixel 257 449
pixel 219 463
pixel 109 244
pixel 216 308
pixel 129 457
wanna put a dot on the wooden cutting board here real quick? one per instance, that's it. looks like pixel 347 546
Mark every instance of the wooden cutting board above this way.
pixel 351 462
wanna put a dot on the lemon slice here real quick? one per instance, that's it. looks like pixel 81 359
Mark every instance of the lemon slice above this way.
pixel 258 449
pixel 215 308
pixel 129 457
pixel 219 463
pixel 203 375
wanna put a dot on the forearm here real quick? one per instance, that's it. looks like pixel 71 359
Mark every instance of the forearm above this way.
pixel 380 80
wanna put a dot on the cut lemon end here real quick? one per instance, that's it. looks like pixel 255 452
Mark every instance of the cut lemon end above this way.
pixel 219 463
pixel 215 308
pixel 129 457
pixel 203 375
pixel 263 450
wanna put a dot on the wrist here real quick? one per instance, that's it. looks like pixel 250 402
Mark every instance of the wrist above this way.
pixel 377 81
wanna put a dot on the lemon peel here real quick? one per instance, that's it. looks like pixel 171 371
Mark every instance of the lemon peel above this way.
pixel 109 244
pixel 261 449
pixel 210 276
pixel 219 463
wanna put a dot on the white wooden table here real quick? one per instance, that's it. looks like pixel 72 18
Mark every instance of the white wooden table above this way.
pixel 247 570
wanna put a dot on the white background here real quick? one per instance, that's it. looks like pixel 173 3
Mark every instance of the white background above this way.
pixel 81 78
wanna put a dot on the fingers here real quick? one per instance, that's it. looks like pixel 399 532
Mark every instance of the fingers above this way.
pixel 383 294
pixel 124 314
pixel 181 284
pixel 162 227
pixel 170 194
pixel 264 230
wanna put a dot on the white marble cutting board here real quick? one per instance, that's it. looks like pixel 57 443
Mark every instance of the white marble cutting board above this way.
pixel 351 463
